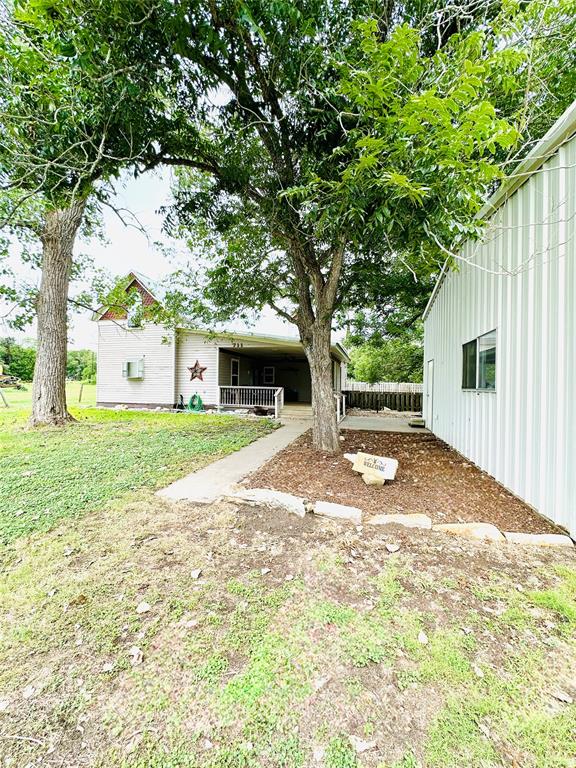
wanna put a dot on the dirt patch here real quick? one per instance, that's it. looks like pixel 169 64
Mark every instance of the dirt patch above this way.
pixel 432 479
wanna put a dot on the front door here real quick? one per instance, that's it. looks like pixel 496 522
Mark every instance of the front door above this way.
pixel 235 372
pixel 429 415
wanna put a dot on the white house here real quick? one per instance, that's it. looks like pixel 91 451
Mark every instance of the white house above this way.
pixel 500 334
pixel 141 363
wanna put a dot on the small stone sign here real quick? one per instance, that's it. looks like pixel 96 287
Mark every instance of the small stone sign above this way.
pixel 375 466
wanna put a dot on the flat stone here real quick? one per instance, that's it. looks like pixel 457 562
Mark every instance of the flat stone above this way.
pixel 375 465
pixel 294 504
pixel 540 539
pixel 371 479
pixel 481 531
pixel 338 511
pixel 415 520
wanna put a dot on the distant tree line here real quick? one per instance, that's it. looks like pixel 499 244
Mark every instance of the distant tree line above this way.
pixel 19 360
pixel 397 357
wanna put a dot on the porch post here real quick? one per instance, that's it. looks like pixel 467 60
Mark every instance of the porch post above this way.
pixel 218 393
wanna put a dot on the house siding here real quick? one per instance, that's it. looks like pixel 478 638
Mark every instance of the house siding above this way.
pixel 191 347
pixel 118 344
pixel 225 369
pixel 520 280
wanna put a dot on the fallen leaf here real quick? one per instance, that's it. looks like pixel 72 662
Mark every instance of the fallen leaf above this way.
pixel 360 745
pixel 321 682
pixel 318 754
pixel 78 600
pixel 136 656
pixel 563 697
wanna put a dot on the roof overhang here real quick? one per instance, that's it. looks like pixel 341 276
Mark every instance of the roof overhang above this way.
pixel 285 344
pixel 562 130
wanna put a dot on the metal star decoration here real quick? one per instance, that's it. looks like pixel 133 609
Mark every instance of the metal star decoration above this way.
pixel 197 371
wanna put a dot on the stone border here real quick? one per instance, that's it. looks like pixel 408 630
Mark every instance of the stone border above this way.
pixel 476 531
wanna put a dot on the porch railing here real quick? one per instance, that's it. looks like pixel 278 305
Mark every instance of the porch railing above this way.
pixel 278 401
pixel 248 397
pixel 340 406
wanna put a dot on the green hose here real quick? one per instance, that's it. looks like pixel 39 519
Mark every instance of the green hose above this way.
pixel 195 403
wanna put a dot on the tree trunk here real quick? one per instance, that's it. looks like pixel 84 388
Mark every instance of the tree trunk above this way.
pixel 325 433
pixel 49 385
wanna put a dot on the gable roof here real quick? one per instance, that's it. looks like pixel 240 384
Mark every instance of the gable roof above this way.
pixel 563 129
pixel 149 290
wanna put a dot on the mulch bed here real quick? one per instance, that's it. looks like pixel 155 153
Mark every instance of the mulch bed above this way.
pixel 432 478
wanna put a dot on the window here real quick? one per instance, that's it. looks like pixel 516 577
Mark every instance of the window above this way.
pixel 235 372
pixel 479 362
pixel 469 365
pixel 269 375
pixel 133 369
pixel 487 361
pixel 135 312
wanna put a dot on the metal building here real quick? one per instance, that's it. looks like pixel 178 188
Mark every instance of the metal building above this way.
pixel 500 334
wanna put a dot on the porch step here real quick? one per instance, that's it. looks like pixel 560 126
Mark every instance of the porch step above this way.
pixel 296 411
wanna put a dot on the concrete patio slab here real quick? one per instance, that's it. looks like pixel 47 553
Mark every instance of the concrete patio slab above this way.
pixel 219 478
pixel 381 424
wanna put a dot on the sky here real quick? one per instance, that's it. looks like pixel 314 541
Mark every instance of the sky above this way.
pixel 129 249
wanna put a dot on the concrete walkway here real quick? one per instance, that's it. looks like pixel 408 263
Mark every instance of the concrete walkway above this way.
pixel 220 477
pixel 380 424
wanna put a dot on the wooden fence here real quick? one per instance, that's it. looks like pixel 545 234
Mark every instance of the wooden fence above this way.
pixel 377 401
pixel 351 385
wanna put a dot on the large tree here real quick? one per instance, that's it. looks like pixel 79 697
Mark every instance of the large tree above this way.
pixel 76 107
pixel 326 143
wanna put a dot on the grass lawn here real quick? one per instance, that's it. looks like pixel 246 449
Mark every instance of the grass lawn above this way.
pixel 137 633
pixel 21 399
pixel 50 474
pixel 301 643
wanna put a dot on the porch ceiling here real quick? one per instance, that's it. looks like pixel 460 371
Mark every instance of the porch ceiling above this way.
pixel 267 353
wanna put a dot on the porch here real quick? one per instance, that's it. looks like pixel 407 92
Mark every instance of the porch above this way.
pixel 272 380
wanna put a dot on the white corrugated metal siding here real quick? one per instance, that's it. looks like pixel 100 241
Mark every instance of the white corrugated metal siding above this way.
pixel 520 280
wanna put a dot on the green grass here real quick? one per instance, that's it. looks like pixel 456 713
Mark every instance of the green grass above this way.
pixel 21 399
pixel 50 474
pixel 340 754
